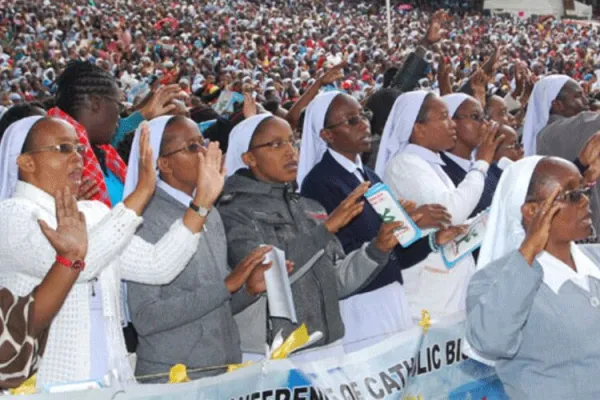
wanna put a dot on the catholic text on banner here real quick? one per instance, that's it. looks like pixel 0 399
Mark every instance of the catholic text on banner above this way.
pixel 411 365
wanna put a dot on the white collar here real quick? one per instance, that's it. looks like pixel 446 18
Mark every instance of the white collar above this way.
pixel 177 194
pixel 32 193
pixel 462 162
pixel 556 273
pixel 424 153
pixel 347 164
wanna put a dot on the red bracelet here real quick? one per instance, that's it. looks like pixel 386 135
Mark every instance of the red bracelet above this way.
pixel 77 265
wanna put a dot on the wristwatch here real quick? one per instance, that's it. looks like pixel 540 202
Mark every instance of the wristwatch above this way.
pixel 77 265
pixel 203 212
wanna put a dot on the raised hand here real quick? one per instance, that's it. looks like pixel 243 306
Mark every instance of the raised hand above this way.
pixel 590 152
pixel 538 232
pixel 347 210
pixel 69 239
pixel 88 190
pixel 334 74
pixel 144 190
pixel 386 240
pixel 491 141
pixel 443 77
pixel 253 261
pixel 160 101
pixel 435 31
pixel 147 169
pixel 249 108
pixel 433 216
pixel 211 176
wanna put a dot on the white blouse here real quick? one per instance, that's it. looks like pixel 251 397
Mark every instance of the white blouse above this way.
pixel 114 253
pixel 416 174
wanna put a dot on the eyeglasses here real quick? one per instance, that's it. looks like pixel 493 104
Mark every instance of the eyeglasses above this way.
pixel 572 196
pixel 278 144
pixel 354 120
pixel 516 146
pixel 473 117
pixel 63 148
pixel 190 148
pixel 120 105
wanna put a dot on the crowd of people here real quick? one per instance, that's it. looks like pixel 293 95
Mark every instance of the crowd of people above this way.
pixel 153 154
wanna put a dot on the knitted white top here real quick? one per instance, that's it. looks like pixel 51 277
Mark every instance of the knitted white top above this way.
pixel 114 253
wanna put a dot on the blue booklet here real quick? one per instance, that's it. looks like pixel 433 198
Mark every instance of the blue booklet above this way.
pixel 390 210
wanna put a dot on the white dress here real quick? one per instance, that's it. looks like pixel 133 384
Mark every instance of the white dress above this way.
pixel 416 174
pixel 114 253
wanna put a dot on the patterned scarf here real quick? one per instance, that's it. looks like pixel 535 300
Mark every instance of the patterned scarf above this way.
pixel 91 166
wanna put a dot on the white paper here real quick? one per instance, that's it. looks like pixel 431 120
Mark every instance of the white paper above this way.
pixel 279 291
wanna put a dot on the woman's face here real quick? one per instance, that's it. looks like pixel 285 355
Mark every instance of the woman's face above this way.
pixel 510 146
pixel 438 131
pixel 497 111
pixel 272 155
pixel 573 221
pixel 44 165
pixel 469 118
pixel 178 158
pixel 104 119
pixel 343 136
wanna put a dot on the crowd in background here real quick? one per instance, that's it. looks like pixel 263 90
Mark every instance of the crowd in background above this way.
pixel 268 48
pixel 231 125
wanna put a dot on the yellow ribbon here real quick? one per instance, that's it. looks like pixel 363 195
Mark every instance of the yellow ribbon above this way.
pixel 411 397
pixel 425 321
pixel 235 367
pixel 178 374
pixel 27 387
pixel 297 339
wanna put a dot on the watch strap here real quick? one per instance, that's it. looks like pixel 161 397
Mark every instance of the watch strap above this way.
pixel 203 212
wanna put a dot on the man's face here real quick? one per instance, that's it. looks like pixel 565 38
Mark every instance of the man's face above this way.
pixel 571 100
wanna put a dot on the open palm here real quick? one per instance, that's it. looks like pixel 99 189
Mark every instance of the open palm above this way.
pixel 69 239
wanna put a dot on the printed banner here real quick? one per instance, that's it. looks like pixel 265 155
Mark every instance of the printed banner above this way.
pixel 410 365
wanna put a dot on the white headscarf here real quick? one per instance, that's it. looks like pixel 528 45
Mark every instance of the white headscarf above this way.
pixel 538 109
pixel 399 127
pixel 454 100
pixel 157 129
pixel 506 233
pixel 10 149
pixel 313 147
pixel 239 142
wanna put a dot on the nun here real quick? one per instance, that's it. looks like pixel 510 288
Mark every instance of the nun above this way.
pixel 471 129
pixel 260 205
pixel 336 132
pixel 189 320
pixel 40 156
pixel 558 123
pixel 418 129
pixel 533 305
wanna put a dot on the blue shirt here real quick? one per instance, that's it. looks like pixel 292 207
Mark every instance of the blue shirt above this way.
pixel 115 188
